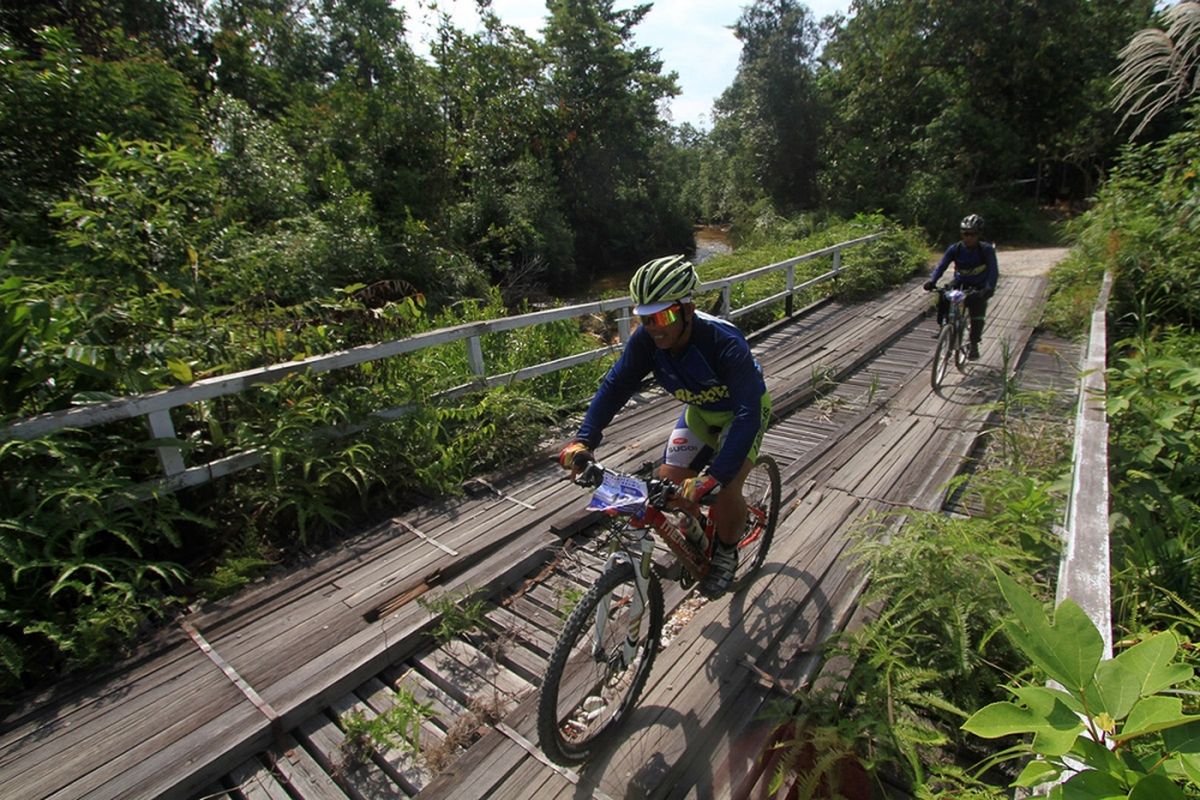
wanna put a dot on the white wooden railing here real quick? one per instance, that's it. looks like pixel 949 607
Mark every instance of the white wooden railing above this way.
pixel 156 406
pixel 1083 573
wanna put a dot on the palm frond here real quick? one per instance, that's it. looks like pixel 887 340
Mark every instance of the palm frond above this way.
pixel 1159 67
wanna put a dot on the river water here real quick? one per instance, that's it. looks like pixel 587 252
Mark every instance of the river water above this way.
pixel 711 240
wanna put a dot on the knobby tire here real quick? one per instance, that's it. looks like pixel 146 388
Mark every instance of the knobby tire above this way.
pixel 572 661
pixel 762 491
pixel 942 356
pixel 960 352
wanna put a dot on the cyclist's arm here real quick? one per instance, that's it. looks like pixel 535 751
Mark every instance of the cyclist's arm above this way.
pixel 947 258
pixel 738 371
pixel 623 379
pixel 993 269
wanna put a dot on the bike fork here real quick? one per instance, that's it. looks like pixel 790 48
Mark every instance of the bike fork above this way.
pixel 641 581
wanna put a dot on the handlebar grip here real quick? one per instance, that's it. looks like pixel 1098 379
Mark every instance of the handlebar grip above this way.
pixel 592 475
pixel 582 458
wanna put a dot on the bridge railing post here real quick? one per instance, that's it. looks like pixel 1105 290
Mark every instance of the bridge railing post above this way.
pixel 170 457
pixel 625 324
pixel 475 356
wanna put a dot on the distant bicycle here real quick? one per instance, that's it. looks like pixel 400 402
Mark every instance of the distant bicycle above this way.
pixel 603 657
pixel 951 344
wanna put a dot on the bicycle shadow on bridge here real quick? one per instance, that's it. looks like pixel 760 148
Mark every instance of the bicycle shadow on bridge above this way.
pixel 667 752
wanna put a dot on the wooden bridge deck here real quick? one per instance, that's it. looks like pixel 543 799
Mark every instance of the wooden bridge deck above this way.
pixel 259 679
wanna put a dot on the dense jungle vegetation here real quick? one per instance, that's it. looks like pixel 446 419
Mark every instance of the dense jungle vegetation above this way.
pixel 193 188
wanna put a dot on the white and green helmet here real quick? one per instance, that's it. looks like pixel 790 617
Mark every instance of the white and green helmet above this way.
pixel 659 283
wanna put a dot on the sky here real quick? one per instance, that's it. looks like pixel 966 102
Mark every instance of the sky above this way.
pixel 693 38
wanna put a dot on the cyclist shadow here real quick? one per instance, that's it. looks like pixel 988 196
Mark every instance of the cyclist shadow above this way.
pixel 979 384
pixel 680 758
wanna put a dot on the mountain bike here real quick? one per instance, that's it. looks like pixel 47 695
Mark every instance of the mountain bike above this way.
pixel 951 344
pixel 603 657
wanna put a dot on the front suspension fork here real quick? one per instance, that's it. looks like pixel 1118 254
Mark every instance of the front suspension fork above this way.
pixel 641 582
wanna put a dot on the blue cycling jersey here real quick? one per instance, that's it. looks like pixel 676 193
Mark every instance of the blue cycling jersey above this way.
pixel 973 266
pixel 716 372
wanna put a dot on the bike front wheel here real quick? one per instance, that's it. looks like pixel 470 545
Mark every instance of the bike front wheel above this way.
pixel 942 356
pixel 600 664
pixel 960 349
pixel 762 491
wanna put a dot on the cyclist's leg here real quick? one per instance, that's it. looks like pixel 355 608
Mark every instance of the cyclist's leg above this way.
pixel 977 308
pixel 730 506
pixel 688 450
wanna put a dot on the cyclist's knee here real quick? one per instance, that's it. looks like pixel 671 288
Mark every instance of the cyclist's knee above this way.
pixel 675 474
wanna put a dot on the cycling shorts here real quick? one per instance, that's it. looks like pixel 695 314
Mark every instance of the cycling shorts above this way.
pixel 699 434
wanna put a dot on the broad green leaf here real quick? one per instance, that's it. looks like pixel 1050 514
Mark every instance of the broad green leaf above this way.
pixel 1053 725
pixel 1152 659
pixel 1093 785
pixel 1156 787
pixel 1035 773
pixel 1069 649
pixel 1184 768
pixel 1097 756
pixel 1154 714
pixel 1115 690
pixel 1183 739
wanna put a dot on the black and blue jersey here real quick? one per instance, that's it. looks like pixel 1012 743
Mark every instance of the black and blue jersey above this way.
pixel 715 372
pixel 973 266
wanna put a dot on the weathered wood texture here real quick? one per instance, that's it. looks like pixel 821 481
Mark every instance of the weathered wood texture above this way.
pixel 699 730
pixel 862 438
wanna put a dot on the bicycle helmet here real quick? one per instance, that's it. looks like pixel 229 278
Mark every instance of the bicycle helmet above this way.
pixel 971 222
pixel 659 283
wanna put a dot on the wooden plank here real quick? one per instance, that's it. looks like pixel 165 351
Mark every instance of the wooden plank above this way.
pixel 91 753
pixel 161 770
pixel 361 781
pixel 405 676
pixel 302 774
pixel 256 783
pixel 474 776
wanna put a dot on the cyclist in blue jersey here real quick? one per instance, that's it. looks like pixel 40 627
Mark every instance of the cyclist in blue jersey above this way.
pixel 974 266
pixel 705 362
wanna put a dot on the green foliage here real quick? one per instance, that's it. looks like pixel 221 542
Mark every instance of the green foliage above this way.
pixel 457 613
pixel 867 268
pixel 1143 228
pixel 931 653
pixel 1074 285
pixel 398 726
pixel 82 553
pixel 1111 728
pixel 1153 393
pixel 960 100
pixel 57 99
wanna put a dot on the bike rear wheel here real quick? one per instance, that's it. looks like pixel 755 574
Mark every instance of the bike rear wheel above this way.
pixel 591 686
pixel 942 356
pixel 762 491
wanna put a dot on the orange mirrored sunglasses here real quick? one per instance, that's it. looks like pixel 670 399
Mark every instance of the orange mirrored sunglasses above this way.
pixel 662 318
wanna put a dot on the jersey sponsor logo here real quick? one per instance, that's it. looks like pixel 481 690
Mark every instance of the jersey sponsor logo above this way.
pixel 709 395
pixel 680 440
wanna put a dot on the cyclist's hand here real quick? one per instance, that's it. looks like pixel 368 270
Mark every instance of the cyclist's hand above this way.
pixel 701 486
pixel 929 286
pixel 575 456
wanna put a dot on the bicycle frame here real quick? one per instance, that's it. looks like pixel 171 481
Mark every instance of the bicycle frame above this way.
pixel 958 317
pixel 641 579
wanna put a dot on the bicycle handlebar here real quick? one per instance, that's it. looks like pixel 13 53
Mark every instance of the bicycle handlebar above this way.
pixel 660 491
